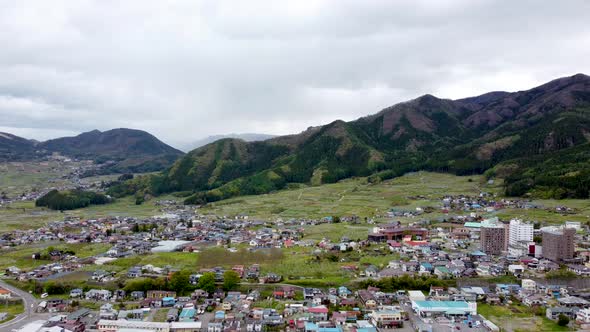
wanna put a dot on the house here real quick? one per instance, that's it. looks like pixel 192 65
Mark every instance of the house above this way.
pixel 516 269
pixel 555 312
pixel 343 291
pixel 172 315
pixel 319 313
pixel 136 314
pixel 371 271
pixel 426 268
pixel 533 300
pixel 76 292
pixel 158 294
pixel 442 272
pixel 168 301
pixel 107 312
pixel 134 272
pixel 187 315
pixel 98 294
pixel 529 286
pixel 101 275
pixel 578 269
pixel 573 301
pixel 416 295
pixel 137 295
pixel 5 294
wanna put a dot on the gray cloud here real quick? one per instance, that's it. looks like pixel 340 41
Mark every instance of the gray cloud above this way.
pixel 188 69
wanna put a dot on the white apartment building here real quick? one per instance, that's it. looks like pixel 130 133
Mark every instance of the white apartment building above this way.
pixel 519 231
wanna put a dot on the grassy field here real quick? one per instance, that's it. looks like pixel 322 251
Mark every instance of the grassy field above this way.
pixel 12 309
pixel 518 318
pixel 345 198
pixel 25 215
pixel 335 232
pixel 351 197
pixel 21 177
pixel 21 256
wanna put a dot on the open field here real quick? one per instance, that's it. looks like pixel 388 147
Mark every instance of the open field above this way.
pixel 518 318
pixel 19 177
pixel 298 265
pixel 25 215
pixel 21 256
pixel 352 197
pixel 345 198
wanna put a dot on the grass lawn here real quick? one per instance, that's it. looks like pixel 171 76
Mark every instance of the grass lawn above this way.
pixel 161 315
pixel 12 309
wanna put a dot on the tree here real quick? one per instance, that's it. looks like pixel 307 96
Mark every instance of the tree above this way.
pixel 231 279
pixel 180 281
pixel 207 282
pixel 563 320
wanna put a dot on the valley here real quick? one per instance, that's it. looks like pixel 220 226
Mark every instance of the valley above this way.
pixel 292 234
pixel 431 203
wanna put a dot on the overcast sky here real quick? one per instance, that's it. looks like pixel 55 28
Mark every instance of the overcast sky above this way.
pixel 183 70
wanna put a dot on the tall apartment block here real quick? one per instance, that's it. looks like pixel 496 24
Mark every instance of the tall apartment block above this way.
pixel 558 243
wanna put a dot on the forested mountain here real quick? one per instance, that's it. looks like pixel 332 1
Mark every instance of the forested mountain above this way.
pixel 125 150
pixel 248 137
pixel 14 148
pixel 131 150
pixel 538 140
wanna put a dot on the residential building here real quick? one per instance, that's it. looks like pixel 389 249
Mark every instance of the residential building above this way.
pixel 558 243
pixel 493 237
pixel 519 231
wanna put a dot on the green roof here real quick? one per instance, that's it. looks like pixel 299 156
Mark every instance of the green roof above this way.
pixel 472 224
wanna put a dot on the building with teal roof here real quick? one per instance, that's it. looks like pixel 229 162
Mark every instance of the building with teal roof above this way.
pixel 444 308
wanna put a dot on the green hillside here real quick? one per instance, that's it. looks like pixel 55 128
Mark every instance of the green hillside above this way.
pixel 517 136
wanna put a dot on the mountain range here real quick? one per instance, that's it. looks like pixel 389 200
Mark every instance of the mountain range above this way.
pixel 123 150
pixel 536 140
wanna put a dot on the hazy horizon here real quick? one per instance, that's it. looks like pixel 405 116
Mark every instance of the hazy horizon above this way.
pixel 192 69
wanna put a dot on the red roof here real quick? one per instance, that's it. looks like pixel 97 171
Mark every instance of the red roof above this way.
pixel 318 310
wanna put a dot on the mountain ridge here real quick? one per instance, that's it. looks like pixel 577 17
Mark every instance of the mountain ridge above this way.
pixel 128 150
pixel 485 133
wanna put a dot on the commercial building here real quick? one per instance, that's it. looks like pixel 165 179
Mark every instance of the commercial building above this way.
pixel 558 243
pixel 493 237
pixel 127 325
pixel 444 308
pixel 387 318
pixel 395 231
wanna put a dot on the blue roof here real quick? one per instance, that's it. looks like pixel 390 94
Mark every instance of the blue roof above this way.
pixel 188 312
pixel 168 299
pixel 442 305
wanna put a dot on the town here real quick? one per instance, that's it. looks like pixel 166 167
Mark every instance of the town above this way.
pixel 186 271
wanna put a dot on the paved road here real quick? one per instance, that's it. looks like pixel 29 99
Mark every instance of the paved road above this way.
pixel 29 315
